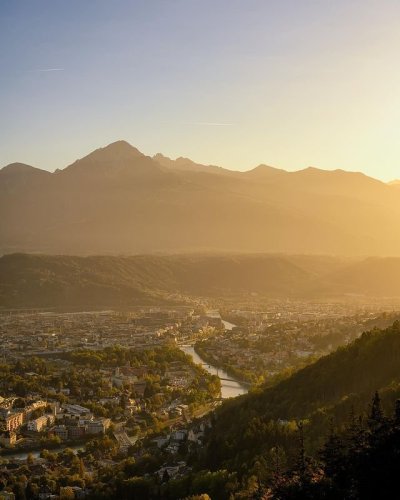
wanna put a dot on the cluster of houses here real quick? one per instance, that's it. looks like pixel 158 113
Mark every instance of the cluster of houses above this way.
pixel 13 418
pixel 40 333
pixel 75 421
pixel 126 376
pixel 69 421
pixel 172 442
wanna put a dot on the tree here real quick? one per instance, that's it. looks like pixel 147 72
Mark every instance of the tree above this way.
pixel 376 413
pixel 301 458
pixel 19 490
pixel 81 468
pixel 165 477
pixel 397 412
pixel 32 491
pixel 66 493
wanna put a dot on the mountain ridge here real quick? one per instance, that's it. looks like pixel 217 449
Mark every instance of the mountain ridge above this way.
pixel 28 280
pixel 121 146
pixel 118 200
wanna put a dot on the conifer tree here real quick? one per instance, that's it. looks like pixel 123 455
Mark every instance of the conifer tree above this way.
pixel 397 412
pixel 376 413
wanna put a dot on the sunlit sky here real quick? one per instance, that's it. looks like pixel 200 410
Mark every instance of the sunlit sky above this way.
pixel 236 83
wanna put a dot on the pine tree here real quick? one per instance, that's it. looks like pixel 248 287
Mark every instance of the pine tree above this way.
pixel 397 412
pixel 332 453
pixel 165 477
pixel 301 458
pixel 376 414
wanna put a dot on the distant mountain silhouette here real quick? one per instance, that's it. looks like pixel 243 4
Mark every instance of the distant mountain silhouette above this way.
pixel 16 175
pixel 116 200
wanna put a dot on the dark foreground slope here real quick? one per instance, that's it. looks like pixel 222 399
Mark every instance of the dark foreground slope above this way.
pixel 104 281
pixel 334 387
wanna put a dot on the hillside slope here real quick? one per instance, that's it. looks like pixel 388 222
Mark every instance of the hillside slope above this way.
pixel 105 281
pixel 51 281
pixel 335 386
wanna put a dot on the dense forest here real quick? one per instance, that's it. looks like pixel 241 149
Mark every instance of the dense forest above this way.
pixel 358 461
pixel 331 388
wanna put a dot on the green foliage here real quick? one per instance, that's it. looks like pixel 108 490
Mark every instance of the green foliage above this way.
pixel 331 387
pixel 360 462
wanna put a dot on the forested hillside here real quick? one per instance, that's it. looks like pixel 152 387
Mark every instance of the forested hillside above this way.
pixel 297 441
pixel 65 281
pixel 334 387
pixel 105 281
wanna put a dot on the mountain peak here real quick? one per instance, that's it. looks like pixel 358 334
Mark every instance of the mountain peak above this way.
pixel 263 170
pixel 183 164
pixel 121 146
pixel 116 156
pixel 21 176
pixel 16 169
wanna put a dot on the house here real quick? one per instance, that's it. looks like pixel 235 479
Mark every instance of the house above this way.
pixel 179 435
pixel 14 421
pixel 195 437
pixel 139 387
pixel 161 441
pixel 28 410
pixel 61 431
pixel 123 377
pixel 76 431
pixel 173 448
pixel 38 424
pixel 76 410
pixel 98 426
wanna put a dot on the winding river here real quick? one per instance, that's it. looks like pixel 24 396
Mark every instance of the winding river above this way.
pixel 229 388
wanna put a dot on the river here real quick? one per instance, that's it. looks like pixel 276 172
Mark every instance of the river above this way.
pixel 229 389
pixel 23 455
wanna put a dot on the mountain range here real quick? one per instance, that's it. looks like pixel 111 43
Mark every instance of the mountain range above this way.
pixel 116 200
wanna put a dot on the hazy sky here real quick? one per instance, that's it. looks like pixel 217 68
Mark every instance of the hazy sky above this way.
pixel 290 83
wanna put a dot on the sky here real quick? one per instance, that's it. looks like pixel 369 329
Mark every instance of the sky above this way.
pixel 235 83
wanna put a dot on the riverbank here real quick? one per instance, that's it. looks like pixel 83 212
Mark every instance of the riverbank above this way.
pixel 229 388
pixel 239 376
pixel 12 454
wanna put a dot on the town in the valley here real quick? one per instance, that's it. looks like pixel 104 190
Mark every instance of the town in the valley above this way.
pixel 96 391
